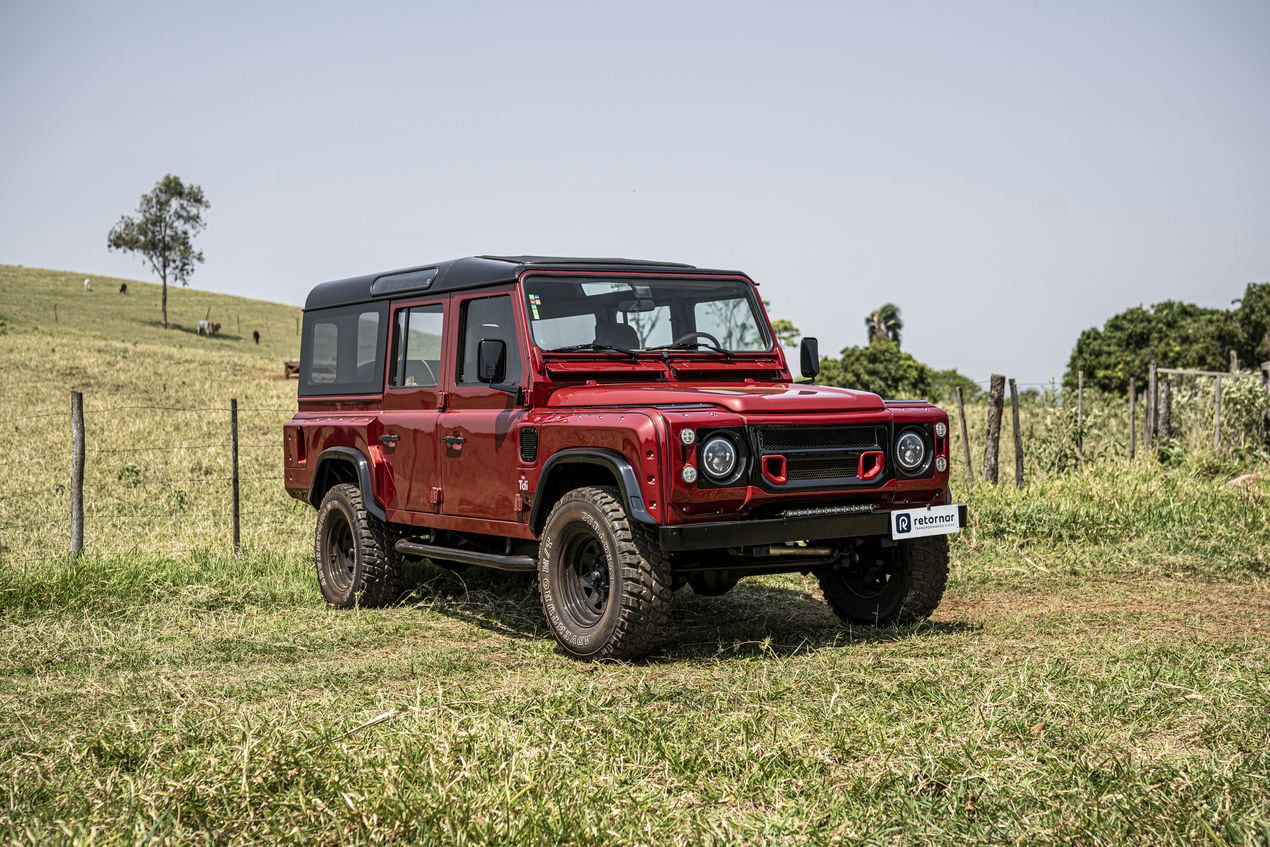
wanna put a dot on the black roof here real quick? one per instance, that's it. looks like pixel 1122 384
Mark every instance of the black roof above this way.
pixel 476 271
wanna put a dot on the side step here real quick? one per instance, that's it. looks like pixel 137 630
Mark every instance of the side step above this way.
pixel 467 557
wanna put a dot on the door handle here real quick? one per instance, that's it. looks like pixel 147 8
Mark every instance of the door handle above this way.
pixel 453 440
pixel 388 440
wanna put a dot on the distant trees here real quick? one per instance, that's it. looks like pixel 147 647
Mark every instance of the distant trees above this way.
pixel 786 332
pixel 884 369
pixel 167 218
pixel 1178 335
pixel 1252 319
pixel 884 324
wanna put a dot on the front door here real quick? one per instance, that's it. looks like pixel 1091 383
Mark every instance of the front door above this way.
pixel 412 403
pixel 479 456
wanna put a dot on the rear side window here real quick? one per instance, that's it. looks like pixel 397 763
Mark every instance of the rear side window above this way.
pixel 342 351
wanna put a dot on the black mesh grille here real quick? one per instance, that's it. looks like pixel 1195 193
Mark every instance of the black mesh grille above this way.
pixel 807 469
pixel 528 444
pixel 778 439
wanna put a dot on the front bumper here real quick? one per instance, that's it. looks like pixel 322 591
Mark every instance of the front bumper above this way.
pixel 717 536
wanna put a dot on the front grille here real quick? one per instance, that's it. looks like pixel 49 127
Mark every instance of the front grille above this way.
pixel 820 456
pixel 779 439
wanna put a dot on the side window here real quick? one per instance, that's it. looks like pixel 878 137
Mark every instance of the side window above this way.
pixel 489 317
pixel 326 343
pixel 417 362
pixel 342 351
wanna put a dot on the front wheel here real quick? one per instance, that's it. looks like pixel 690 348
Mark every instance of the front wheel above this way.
pixel 353 552
pixel 603 579
pixel 889 585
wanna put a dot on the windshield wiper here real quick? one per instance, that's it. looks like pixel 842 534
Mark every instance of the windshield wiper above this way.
pixel 695 344
pixel 597 348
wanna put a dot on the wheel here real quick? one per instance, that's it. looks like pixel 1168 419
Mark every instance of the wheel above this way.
pixel 895 585
pixel 603 579
pixel 356 565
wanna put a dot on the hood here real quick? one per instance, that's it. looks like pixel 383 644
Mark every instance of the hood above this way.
pixel 752 399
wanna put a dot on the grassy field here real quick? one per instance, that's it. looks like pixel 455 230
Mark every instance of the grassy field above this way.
pixel 1097 672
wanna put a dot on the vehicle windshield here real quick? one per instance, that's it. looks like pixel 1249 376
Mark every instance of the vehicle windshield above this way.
pixel 609 314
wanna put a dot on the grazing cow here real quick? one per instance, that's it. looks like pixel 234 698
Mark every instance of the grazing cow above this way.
pixel 255 335
pixel 208 327
pixel 88 285
pixel 123 288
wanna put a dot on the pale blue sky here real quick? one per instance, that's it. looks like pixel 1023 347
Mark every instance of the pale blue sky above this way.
pixel 1008 173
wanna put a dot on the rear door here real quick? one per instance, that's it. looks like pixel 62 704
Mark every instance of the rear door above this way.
pixel 478 453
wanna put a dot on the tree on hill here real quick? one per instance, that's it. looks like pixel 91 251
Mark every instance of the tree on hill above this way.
pixel 884 324
pixel 1176 335
pixel 167 218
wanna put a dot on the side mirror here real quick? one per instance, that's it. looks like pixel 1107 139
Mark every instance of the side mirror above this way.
pixel 809 357
pixel 491 361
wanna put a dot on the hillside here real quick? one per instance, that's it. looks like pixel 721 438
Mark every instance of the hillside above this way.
pixel 156 411
pixel 56 300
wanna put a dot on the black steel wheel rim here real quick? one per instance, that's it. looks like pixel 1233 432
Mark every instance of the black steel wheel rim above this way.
pixel 872 582
pixel 584 579
pixel 339 555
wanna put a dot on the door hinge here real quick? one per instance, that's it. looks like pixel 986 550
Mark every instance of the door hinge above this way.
pixel 436 496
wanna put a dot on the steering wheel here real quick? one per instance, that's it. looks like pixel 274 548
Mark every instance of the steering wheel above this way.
pixel 691 336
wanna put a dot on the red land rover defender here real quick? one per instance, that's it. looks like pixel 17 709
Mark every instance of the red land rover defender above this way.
pixel 622 427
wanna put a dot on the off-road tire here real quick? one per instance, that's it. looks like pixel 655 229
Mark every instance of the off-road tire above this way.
pixel 897 585
pixel 353 552
pixel 604 581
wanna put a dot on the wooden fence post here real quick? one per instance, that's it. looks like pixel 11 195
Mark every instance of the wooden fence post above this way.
pixel 77 472
pixel 965 439
pixel 996 400
pixel 1018 436
pixel 233 441
pixel 1133 417
pixel 1166 408
pixel 1217 415
pixel 1080 419
pixel 1152 408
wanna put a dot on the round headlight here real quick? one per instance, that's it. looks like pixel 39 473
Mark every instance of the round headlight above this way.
pixel 688 436
pixel 941 429
pixel 690 474
pixel 910 451
pixel 718 457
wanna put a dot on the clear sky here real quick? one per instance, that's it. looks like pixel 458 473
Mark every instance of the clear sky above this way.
pixel 1008 173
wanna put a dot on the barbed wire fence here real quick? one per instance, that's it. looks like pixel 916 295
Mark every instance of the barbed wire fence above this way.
pixel 179 483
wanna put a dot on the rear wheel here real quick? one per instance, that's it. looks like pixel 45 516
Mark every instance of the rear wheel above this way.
pixel 353 553
pixel 603 579
pixel 889 585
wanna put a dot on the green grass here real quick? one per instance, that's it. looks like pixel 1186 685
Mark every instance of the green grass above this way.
pixel 1097 672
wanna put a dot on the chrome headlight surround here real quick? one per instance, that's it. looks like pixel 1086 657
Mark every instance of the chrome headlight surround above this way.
pixel 913 451
pixel 718 457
